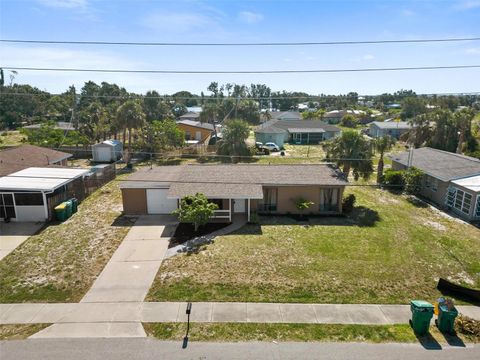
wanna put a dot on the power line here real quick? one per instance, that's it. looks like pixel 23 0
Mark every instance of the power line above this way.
pixel 126 71
pixel 313 43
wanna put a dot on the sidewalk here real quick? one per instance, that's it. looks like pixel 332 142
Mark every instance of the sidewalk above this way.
pixel 128 312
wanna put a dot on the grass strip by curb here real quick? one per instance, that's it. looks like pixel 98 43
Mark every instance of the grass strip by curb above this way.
pixel 19 332
pixel 233 332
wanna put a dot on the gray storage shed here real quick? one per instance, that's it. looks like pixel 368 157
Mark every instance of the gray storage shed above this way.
pixel 107 151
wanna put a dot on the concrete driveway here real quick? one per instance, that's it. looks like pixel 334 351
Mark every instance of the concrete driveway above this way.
pixel 132 268
pixel 13 234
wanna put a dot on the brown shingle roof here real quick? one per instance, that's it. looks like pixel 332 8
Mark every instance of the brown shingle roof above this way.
pixel 25 156
pixel 216 191
pixel 297 174
pixel 443 165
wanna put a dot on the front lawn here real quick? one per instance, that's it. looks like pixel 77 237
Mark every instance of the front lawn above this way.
pixel 61 262
pixel 390 250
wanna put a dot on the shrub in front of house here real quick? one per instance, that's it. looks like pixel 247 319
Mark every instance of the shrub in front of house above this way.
pixel 393 179
pixel 348 203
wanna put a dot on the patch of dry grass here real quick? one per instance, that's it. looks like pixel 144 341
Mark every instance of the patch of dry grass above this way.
pixel 11 138
pixel 19 332
pixel 61 262
pixel 387 251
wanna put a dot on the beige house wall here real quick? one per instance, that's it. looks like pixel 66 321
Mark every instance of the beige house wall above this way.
pixel 134 201
pixel 287 195
pixel 192 130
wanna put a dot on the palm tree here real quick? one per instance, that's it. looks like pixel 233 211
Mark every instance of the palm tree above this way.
pixel 235 133
pixel 352 152
pixel 382 145
pixel 130 116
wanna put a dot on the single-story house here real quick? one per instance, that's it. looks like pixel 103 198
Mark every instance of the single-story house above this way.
pixel 392 128
pixel 197 131
pixel 451 181
pixel 295 131
pixel 236 188
pixel 32 193
pixel 193 116
pixel 107 151
pixel 335 116
pixel 25 156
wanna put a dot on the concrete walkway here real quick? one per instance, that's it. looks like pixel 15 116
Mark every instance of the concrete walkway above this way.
pixel 238 221
pixel 13 234
pixel 132 268
pixel 130 312
pixel 126 278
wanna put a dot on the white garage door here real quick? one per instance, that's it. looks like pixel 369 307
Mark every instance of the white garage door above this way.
pixel 104 154
pixel 157 202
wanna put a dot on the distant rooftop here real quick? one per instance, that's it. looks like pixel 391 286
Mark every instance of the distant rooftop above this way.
pixel 392 124
pixel 61 125
pixel 198 124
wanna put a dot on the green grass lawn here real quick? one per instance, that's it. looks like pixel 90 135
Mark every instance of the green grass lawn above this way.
pixel 388 251
pixel 295 332
pixel 11 138
pixel 61 262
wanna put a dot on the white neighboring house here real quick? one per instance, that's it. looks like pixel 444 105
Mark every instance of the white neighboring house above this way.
pixel 107 151
pixel 32 193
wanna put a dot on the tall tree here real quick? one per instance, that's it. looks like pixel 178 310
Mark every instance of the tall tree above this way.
pixel 352 152
pixel 382 145
pixel 131 116
pixel 235 133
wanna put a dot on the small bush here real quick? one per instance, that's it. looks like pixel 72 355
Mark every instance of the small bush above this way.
pixel 412 179
pixel 348 203
pixel 393 179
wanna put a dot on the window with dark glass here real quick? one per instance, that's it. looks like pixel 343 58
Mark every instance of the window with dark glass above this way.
pixel 28 199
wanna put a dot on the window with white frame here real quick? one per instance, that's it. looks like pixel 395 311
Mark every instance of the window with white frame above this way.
pixel 463 201
pixel 452 192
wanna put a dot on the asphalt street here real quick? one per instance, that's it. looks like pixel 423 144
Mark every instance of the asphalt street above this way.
pixel 128 348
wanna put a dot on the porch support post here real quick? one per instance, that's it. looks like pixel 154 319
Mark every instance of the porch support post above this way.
pixel 248 209
pixel 230 210
pixel 45 206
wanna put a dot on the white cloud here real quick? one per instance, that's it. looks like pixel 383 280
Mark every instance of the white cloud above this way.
pixel 468 5
pixel 179 22
pixel 65 4
pixel 250 17
pixel 368 57
pixel 473 51
pixel 407 12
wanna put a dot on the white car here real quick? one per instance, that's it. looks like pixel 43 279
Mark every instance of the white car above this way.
pixel 271 146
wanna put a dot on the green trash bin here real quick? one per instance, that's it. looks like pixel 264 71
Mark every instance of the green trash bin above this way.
pixel 61 212
pixel 446 319
pixel 68 208
pixel 74 205
pixel 422 313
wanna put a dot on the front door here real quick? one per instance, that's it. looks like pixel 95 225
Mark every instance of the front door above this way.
pixel 239 206
pixel 198 135
pixel 7 207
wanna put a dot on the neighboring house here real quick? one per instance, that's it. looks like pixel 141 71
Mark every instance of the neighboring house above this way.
pixel 60 125
pixel 451 180
pixel 31 194
pixel 335 116
pixel 236 189
pixel 392 128
pixel 107 151
pixel 196 131
pixel 295 131
pixel 193 116
pixel 25 156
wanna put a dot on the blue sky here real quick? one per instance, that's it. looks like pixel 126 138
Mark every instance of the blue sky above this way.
pixel 245 21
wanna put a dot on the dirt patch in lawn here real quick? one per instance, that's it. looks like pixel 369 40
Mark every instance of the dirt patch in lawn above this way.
pixel 185 232
pixel 19 332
